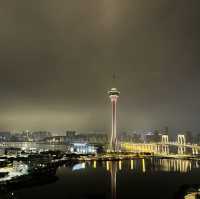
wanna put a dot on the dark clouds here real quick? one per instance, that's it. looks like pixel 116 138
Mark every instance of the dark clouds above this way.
pixel 57 59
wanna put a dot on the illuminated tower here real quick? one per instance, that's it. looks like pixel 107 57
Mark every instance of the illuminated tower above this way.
pixel 114 94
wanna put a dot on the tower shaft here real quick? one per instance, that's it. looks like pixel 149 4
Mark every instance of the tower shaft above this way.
pixel 114 94
pixel 113 141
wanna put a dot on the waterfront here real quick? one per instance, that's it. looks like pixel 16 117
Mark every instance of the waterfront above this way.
pixel 137 178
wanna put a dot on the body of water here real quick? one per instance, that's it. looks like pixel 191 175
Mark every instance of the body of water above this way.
pixel 138 178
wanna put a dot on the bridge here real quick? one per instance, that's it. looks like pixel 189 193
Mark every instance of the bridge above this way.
pixel 163 147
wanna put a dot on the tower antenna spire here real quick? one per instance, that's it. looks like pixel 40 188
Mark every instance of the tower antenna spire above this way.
pixel 114 78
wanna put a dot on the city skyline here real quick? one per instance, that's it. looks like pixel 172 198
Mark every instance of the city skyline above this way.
pixel 57 64
pixel 99 99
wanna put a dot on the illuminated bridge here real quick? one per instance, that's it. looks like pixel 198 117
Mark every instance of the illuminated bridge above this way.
pixel 163 147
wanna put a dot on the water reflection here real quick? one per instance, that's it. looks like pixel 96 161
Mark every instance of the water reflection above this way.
pixel 113 179
pixel 141 166
pixel 174 165
pixel 132 164
pixel 78 166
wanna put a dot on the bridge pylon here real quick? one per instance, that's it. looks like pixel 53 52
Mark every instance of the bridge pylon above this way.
pixel 165 139
pixel 181 140
pixel 195 151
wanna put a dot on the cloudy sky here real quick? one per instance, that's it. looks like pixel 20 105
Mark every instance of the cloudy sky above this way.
pixel 57 59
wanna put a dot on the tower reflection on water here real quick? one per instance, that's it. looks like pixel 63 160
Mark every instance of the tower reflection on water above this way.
pixel 141 166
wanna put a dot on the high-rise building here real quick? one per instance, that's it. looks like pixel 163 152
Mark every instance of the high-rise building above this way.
pixel 114 94
pixel 93 138
pixel 70 134
pixel 188 136
pixel 5 136
pixel 154 136
pixel 40 135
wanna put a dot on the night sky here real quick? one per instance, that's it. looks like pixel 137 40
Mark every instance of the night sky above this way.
pixel 57 59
